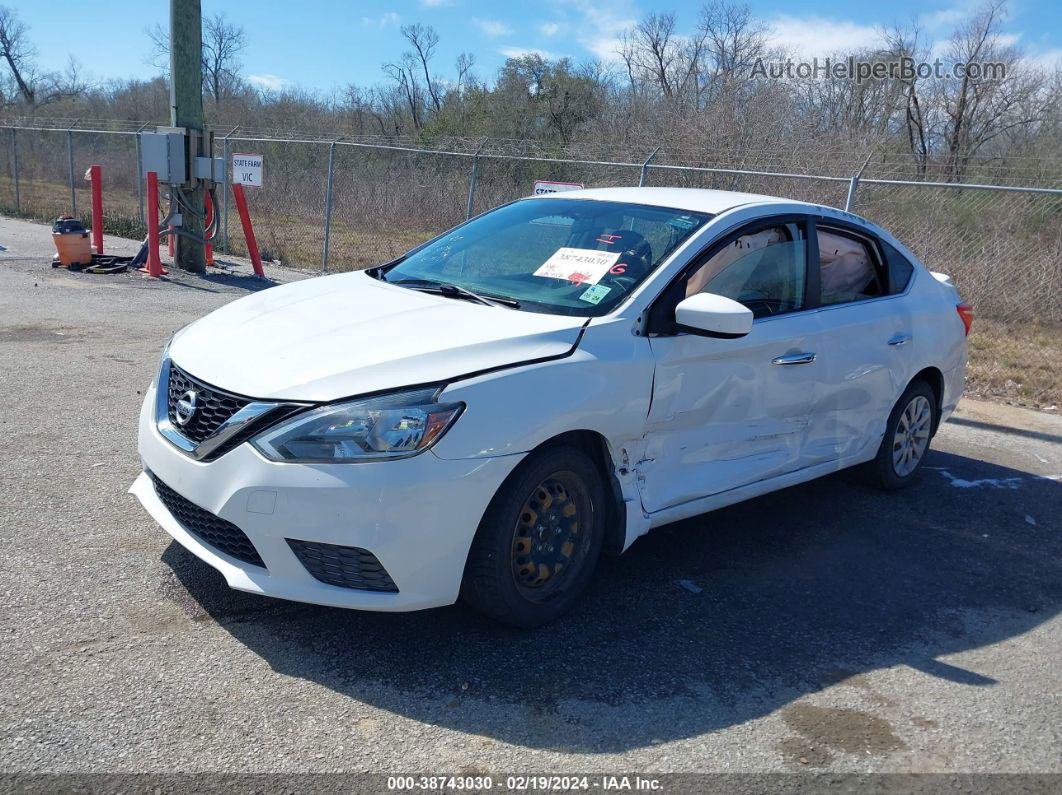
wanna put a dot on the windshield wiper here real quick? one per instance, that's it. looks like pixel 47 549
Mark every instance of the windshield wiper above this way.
pixel 456 291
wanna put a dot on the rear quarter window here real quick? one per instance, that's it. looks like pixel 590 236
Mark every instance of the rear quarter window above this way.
pixel 900 269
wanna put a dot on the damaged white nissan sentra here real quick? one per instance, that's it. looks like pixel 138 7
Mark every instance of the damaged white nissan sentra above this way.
pixel 484 416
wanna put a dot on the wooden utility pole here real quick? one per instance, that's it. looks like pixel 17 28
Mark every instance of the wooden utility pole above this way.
pixel 186 110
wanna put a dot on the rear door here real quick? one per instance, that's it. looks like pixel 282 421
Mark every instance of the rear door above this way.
pixel 867 341
pixel 728 412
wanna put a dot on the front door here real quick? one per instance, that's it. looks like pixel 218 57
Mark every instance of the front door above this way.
pixel 729 412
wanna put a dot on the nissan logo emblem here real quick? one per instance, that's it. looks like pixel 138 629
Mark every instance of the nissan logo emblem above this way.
pixel 186 407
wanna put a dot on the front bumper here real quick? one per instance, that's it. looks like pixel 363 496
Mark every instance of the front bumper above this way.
pixel 416 515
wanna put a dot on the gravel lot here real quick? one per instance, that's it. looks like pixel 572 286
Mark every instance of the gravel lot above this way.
pixel 839 628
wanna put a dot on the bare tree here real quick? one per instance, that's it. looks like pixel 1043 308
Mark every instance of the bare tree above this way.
pixel 424 40
pixel 654 50
pixel 17 52
pixel 406 80
pixel 979 109
pixel 34 88
pixel 655 53
pixel 734 39
pixel 464 64
pixel 901 44
pixel 222 44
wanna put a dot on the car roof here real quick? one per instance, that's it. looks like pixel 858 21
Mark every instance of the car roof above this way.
pixel 700 200
pixel 713 202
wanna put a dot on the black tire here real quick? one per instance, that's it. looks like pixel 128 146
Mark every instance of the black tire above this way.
pixel 504 576
pixel 885 471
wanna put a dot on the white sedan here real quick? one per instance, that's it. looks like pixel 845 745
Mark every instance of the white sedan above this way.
pixel 486 415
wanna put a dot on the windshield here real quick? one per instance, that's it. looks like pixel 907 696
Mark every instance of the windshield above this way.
pixel 562 256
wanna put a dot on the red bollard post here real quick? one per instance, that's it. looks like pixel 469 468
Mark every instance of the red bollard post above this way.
pixel 96 180
pixel 248 230
pixel 154 264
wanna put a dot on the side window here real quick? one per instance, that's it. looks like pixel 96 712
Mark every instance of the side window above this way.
pixel 763 270
pixel 848 271
pixel 900 269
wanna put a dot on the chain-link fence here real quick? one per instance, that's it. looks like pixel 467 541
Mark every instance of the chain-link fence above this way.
pixel 1003 247
pixel 347 203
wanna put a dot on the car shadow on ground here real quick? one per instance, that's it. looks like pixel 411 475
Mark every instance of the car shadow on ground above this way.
pixel 800 590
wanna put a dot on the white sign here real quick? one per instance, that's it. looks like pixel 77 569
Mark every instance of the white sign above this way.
pixel 247 169
pixel 544 186
pixel 578 265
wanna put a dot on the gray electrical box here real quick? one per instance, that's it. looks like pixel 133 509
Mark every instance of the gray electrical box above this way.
pixel 210 168
pixel 164 153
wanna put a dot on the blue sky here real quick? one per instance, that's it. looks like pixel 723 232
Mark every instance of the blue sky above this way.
pixel 324 45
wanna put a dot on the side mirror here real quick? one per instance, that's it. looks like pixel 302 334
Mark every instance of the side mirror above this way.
pixel 710 315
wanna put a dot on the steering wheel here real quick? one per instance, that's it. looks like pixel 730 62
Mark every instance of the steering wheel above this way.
pixel 761 304
pixel 635 267
pixel 623 283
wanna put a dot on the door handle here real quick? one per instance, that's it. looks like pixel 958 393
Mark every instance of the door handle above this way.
pixel 794 358
pixel 900 339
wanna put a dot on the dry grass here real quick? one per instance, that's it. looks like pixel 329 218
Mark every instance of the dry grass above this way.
pixel 46 201
pixel 283 236
pixel 1018 363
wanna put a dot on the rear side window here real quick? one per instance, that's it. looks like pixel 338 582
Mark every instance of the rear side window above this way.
pixel 900 269
pixel 849 269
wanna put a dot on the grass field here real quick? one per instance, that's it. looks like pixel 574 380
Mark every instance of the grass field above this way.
pixel 1010 361
pixel 1016 363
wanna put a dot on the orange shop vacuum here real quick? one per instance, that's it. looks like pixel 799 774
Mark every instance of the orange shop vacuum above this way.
pixel 72 247
pixel 74 252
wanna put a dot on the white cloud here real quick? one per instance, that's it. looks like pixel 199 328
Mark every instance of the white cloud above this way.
pixel 387 20
pixel 434 3
pixel 520 52
pixel 601 25
pixel 1049 59
pixel 944 49
pixel 549 28
pixel 816 36
pixel 268 82
pixel 492 27
pixel 945 18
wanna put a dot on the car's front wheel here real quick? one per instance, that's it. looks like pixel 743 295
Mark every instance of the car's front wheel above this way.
pixel 908 432
pixel 539 541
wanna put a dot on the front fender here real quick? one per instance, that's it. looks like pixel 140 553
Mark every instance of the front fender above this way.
pixel 605 386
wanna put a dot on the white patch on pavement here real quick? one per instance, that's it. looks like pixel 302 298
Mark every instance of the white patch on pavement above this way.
pixel 994 483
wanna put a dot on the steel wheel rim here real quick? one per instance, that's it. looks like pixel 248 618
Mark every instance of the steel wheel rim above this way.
pixel 552 536
pixel 911 439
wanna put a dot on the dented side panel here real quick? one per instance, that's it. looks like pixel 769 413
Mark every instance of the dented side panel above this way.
pixel 723 415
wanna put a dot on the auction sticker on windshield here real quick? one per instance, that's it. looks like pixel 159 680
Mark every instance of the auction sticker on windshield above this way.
pixel 594 293
pixel 578 265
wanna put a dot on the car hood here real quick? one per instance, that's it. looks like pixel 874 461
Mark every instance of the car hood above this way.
pixel 349 334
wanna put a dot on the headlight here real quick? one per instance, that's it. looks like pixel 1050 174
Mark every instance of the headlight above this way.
pixel 391 426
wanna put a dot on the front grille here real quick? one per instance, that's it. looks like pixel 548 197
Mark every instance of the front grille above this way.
pixel 347 567
pixel 213 406
pixel 208 528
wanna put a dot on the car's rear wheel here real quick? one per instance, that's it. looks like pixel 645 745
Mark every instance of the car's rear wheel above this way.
pixel 539 541
pixel 906 442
